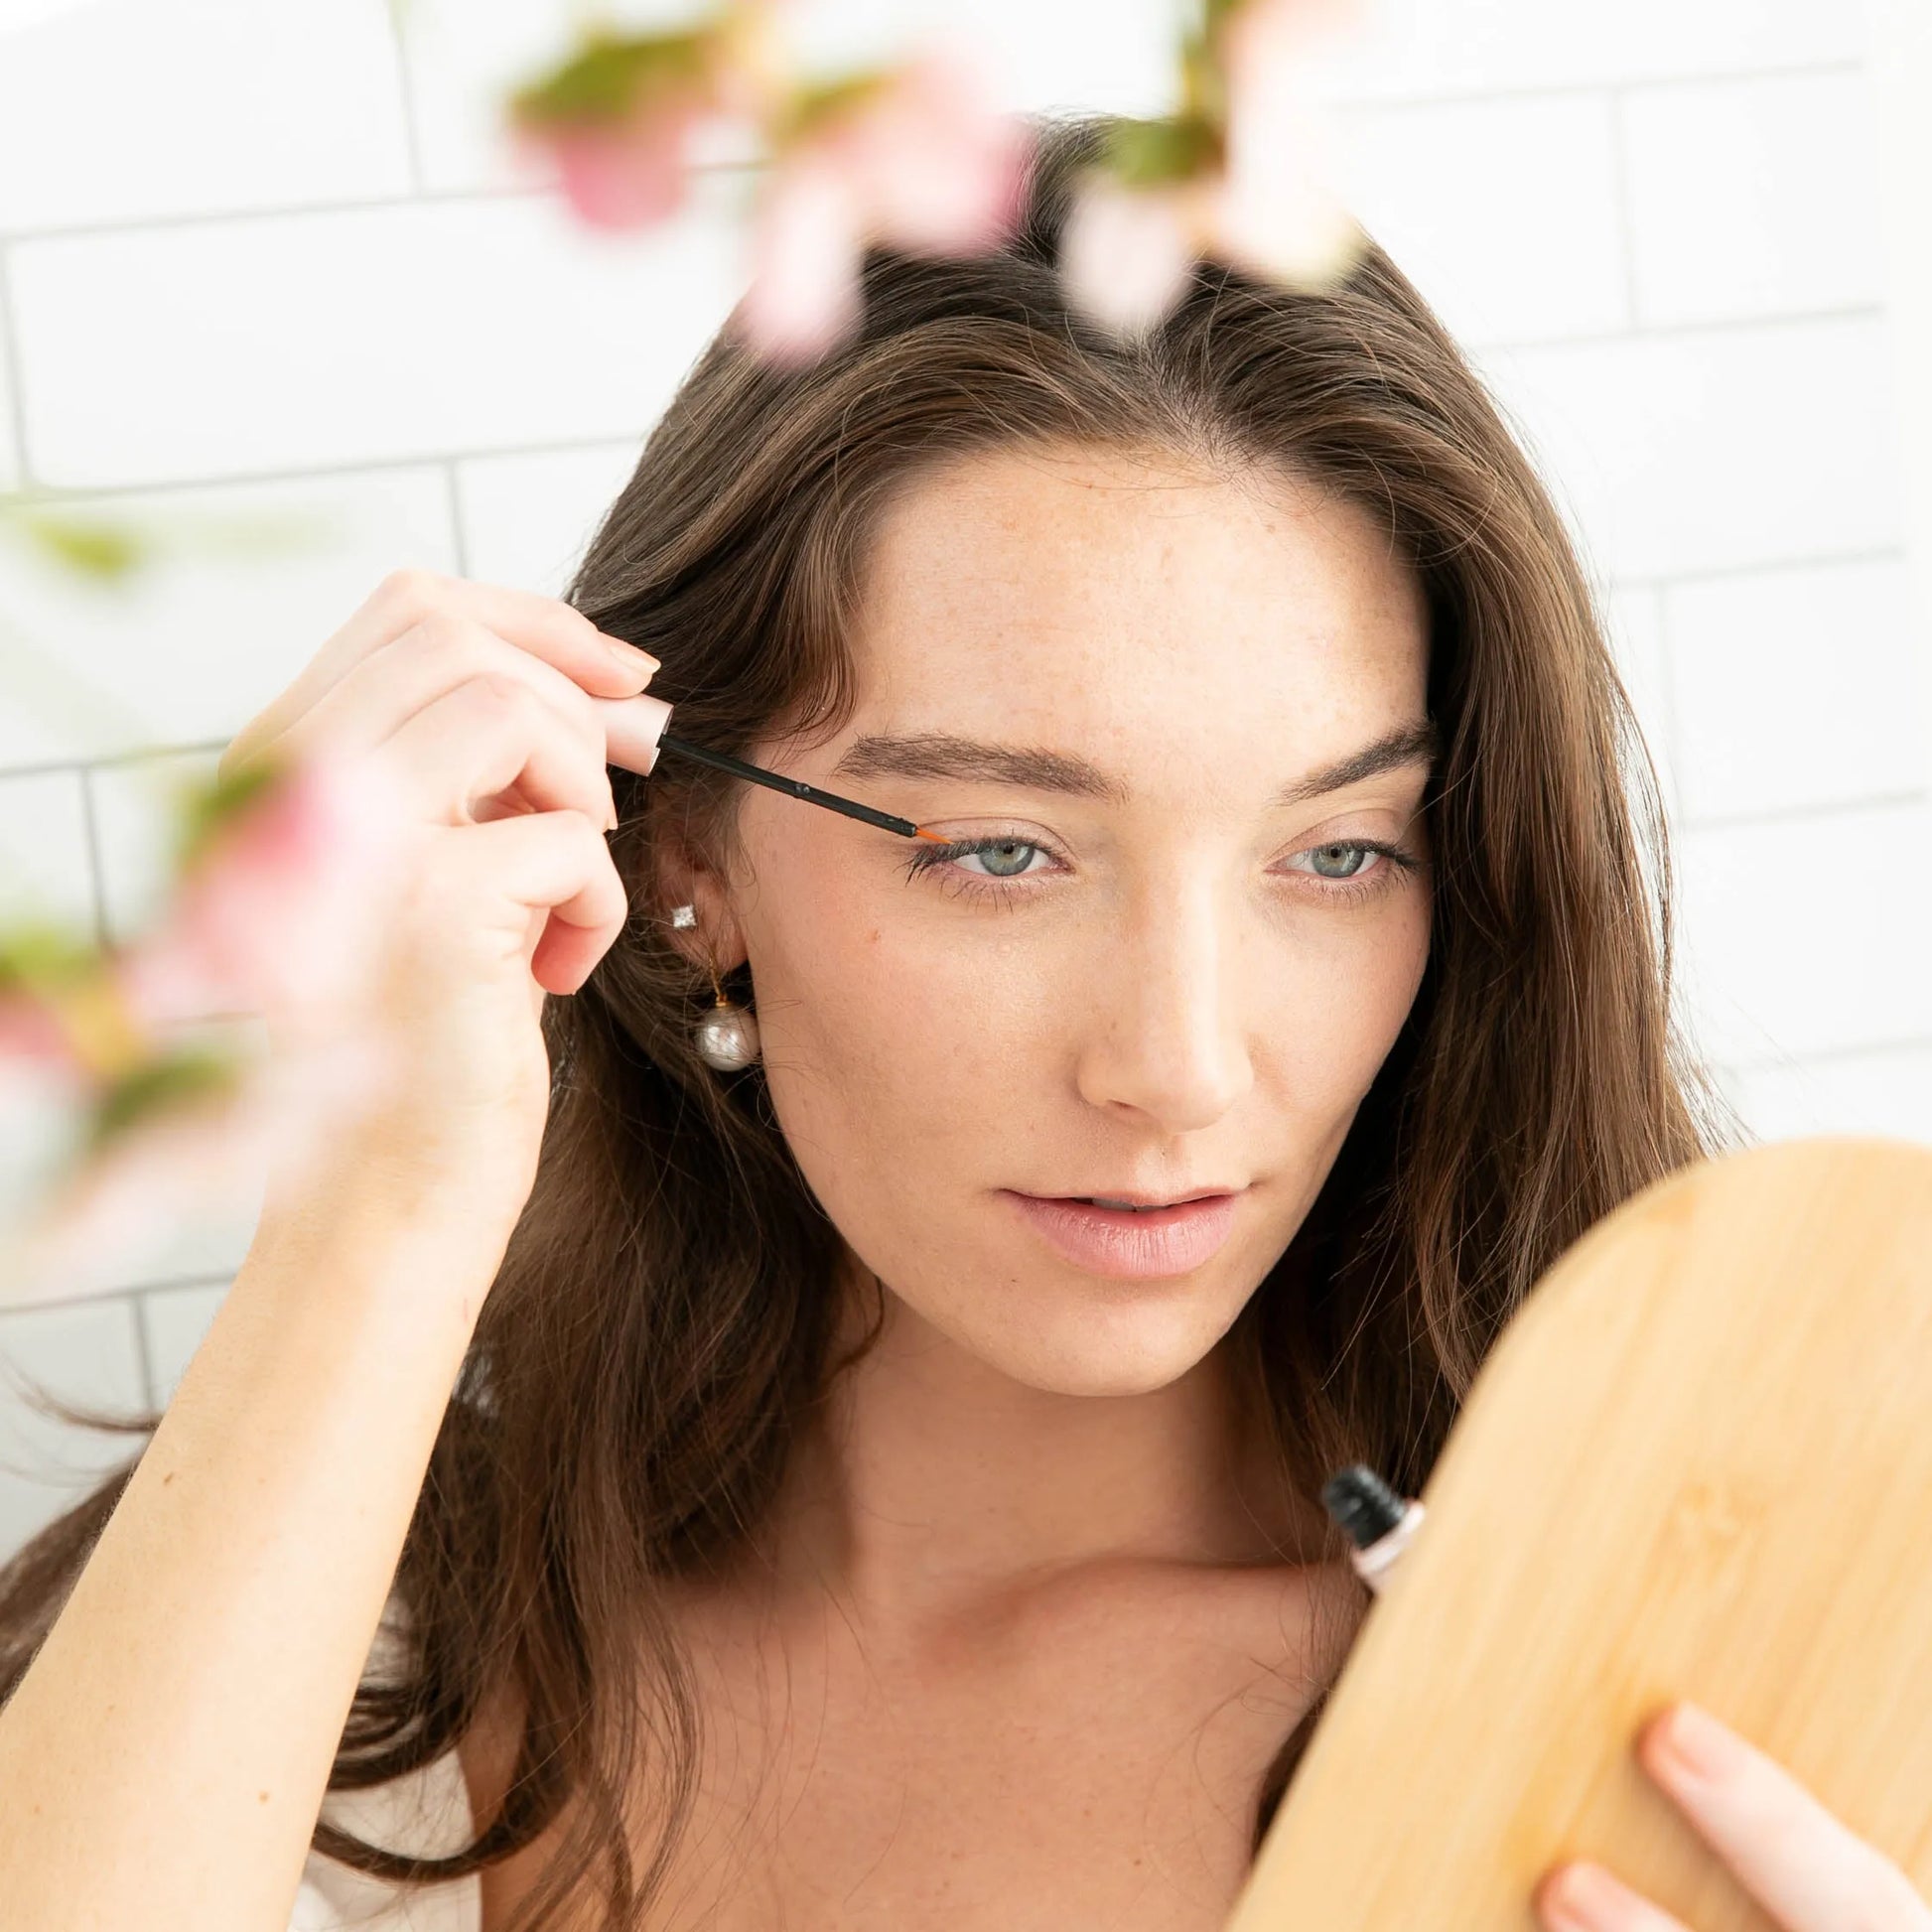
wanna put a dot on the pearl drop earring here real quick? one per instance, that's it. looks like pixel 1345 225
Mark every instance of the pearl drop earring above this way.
pixel 728 1036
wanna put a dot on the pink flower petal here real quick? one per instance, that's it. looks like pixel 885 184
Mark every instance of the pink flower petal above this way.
pixel 625 176
pixel 1124 254
pixel 30 1032
pixel 941 166
pixel 282 913
pixel 1284 226
pixel 808 235
pixel 1275 213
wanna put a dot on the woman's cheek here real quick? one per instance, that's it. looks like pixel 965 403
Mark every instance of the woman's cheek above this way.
pixel 878 1021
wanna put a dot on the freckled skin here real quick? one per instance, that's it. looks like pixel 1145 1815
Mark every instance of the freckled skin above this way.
pixel 1173 1008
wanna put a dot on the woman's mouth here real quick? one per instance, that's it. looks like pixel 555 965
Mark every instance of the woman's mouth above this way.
pixel 1126 1242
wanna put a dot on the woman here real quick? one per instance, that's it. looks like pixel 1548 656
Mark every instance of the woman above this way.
pixel 826 1527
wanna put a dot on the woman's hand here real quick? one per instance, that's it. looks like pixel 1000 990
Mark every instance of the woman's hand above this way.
pixel 1810 1872
pixel 484 719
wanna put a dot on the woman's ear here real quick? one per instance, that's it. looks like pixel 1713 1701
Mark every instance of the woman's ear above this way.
pixel 713 939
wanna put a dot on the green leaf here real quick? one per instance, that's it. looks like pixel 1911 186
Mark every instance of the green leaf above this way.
pixel 1151 153
pixel 184 1073
pixel 610 77
pixel 106 550
pixel 36 953
pixel 815 103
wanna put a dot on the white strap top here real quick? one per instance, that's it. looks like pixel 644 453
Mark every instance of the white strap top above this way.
pixel 425 1811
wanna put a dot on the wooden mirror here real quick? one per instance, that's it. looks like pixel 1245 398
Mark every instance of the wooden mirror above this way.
pixel 1696 1463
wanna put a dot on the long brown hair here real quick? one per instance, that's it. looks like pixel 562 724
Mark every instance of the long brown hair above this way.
pixel 663 1319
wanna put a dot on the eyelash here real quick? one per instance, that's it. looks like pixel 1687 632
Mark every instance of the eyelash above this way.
pixel 1400 859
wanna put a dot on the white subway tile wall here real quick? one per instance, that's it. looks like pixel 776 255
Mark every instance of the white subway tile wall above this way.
pixel 273 282
pixel 85 1353
pixel 528 519
pixel 338 336
pixel 1681 453
pixel 9 401
pixel 1752 197
pixel 173 1322
pixel 1444 190
pixel 247 580
pixel 1811 734
pixel 46 868
pixel 123 111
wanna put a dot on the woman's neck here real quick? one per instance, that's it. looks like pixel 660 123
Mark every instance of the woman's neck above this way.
pixel 932 1480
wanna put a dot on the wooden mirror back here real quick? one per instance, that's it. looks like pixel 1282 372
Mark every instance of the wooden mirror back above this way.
pixel 1696 1463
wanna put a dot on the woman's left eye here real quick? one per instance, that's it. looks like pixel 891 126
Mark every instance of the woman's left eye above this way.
pixel 1360 883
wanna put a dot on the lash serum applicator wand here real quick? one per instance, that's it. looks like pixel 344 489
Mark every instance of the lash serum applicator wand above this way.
pixel 795 789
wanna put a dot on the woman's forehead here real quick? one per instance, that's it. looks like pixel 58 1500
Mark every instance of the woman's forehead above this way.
pixel 1093 586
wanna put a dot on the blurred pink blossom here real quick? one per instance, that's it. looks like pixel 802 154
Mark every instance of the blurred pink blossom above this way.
pixel 202 1155
pixel 920 162
pixel 1125 251
pixel 630 174
pixel 281 909
pixel 1269 208
pixel 30 1033
pixel 277 914
pixel 1275 213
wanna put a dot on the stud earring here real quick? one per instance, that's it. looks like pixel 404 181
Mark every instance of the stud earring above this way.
pixel 728 1036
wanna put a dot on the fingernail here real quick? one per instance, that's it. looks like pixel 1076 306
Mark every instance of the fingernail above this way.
pixel 1586 1899
pixel 629 657
pixel 1700 1744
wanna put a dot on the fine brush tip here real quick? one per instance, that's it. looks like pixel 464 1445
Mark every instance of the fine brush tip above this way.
pixel 919 832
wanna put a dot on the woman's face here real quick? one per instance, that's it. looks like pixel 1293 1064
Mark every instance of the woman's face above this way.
pixel 1156 980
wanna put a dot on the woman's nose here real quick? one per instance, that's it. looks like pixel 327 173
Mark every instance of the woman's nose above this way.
pixel 1164 1031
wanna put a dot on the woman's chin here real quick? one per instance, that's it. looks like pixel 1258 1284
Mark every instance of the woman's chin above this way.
pixel 1065 1344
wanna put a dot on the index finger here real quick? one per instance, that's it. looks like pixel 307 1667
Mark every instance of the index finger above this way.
pixel 1809 1868
pixel 545 626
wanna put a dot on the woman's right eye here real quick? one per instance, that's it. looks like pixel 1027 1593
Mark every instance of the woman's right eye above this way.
pixel 1001 860
pixel 1000 853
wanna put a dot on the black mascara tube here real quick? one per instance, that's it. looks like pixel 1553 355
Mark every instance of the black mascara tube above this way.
pixel 1378 1522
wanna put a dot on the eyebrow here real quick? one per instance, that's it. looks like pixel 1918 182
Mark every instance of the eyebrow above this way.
pixel 942 755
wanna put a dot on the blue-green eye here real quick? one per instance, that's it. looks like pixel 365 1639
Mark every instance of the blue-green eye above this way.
pixel 1363 882
pixel 1005 858
pixel 1345 847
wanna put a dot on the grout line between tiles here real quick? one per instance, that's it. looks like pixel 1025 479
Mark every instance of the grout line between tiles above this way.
pixel 1840 66
pixel 459 536
pixel 1626 227
pixel 362 467
pixel 406 90
pixel 137 1310
pixel 11 373
pixel 90 833
pixel 1800 814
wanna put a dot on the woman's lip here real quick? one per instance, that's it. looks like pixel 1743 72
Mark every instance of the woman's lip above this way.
pixel 1147 1246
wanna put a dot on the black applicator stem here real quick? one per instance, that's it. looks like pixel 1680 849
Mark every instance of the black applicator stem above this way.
pixel 794 787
